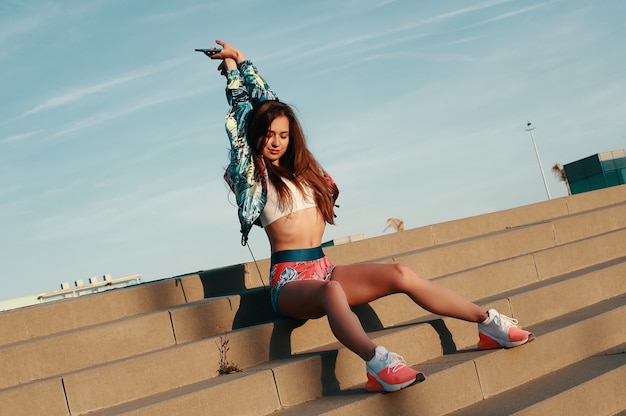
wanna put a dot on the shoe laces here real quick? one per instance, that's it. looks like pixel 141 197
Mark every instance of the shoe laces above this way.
pixel 394 362
pixel 505 321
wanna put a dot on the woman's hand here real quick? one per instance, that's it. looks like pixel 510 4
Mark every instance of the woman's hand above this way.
pixel 230 57
pixel 228 51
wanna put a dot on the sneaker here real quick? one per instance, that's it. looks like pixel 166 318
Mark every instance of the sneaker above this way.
pixel 373 386
pixel 499 331
pixel 388 370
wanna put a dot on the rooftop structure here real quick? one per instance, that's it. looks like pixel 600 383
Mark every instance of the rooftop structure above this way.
pixel 598 171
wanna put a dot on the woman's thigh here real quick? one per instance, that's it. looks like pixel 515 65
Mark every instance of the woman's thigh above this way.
pixel 302 299
pixel 365 282
pixel 360 283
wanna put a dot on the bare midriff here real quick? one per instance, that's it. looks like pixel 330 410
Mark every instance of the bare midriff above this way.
pixel 300 229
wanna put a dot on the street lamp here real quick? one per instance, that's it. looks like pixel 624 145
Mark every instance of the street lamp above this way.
pixel 530 129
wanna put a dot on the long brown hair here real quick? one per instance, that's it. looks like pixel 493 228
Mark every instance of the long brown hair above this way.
pixel 297 164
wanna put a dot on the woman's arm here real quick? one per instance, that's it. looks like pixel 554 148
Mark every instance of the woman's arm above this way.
pixel 245 88
pixel 240 174
pixel 241 167
pixel 257 88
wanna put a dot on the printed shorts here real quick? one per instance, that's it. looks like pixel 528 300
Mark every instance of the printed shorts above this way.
pixel 290 265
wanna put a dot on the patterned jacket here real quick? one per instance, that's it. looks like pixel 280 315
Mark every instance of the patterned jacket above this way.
pixel 245 88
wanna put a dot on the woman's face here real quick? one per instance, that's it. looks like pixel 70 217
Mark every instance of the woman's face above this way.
pixel 276 140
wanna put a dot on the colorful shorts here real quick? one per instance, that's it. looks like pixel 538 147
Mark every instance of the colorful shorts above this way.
pixel 304 264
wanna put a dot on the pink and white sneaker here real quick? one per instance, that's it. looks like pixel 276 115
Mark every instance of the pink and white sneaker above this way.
pixel 388 372
pixel 499 331
pixel 373 386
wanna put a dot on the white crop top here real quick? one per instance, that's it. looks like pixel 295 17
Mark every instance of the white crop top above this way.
pixel 273 211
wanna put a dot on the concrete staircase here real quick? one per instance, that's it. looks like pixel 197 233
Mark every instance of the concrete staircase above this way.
pixel 154 349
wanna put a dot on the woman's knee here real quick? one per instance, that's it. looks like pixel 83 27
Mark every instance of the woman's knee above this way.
pixel 404 277
pixel 333 291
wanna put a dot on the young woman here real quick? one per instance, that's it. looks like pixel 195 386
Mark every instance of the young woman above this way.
pixel 280 186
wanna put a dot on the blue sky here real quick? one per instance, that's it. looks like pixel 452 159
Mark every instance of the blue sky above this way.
pixel 112 143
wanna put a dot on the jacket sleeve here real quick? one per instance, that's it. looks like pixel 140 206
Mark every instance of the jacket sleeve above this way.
pixel 245 87
pixel 258 89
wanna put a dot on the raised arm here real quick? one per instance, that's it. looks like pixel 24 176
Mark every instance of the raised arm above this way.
pixel 257 88
pixel 243 89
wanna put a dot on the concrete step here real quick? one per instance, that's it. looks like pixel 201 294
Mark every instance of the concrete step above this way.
pixel 41 397
pixel 84 347
pixel 451 257
pixel 60 316
pixel 48 398
pixel 592 386
pixel 475 252
pixel 49 356
pixel 195 362
pixel 585 240
pixel 398 309
pixel 63 315
pixel 454 381
pixel 468 378
pixel 475 284
pixel 490 279
pixel 450 335
pixel 119 339
pixel 586 237
pixel 604 209
pixel 215 316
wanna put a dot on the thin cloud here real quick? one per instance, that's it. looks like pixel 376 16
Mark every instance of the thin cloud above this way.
pixel 102 118
pixel 509 14
pixel 124 211
pixel 345 42
pixel 78 94
pixel 384 3
pixel 460 12
pixel 20 137
pixel 465 40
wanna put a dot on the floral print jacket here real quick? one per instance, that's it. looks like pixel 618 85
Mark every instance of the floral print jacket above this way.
pixel 245 88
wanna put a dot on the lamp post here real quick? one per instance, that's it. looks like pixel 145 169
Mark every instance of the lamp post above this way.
pixel 530 129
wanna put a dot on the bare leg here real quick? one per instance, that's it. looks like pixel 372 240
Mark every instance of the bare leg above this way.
pixel 310 299
pixel 364 283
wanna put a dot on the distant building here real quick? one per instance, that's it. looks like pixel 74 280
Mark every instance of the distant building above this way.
pixel 596 172
pixel 68 291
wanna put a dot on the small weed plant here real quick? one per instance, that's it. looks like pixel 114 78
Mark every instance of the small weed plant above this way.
pixel 226 367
